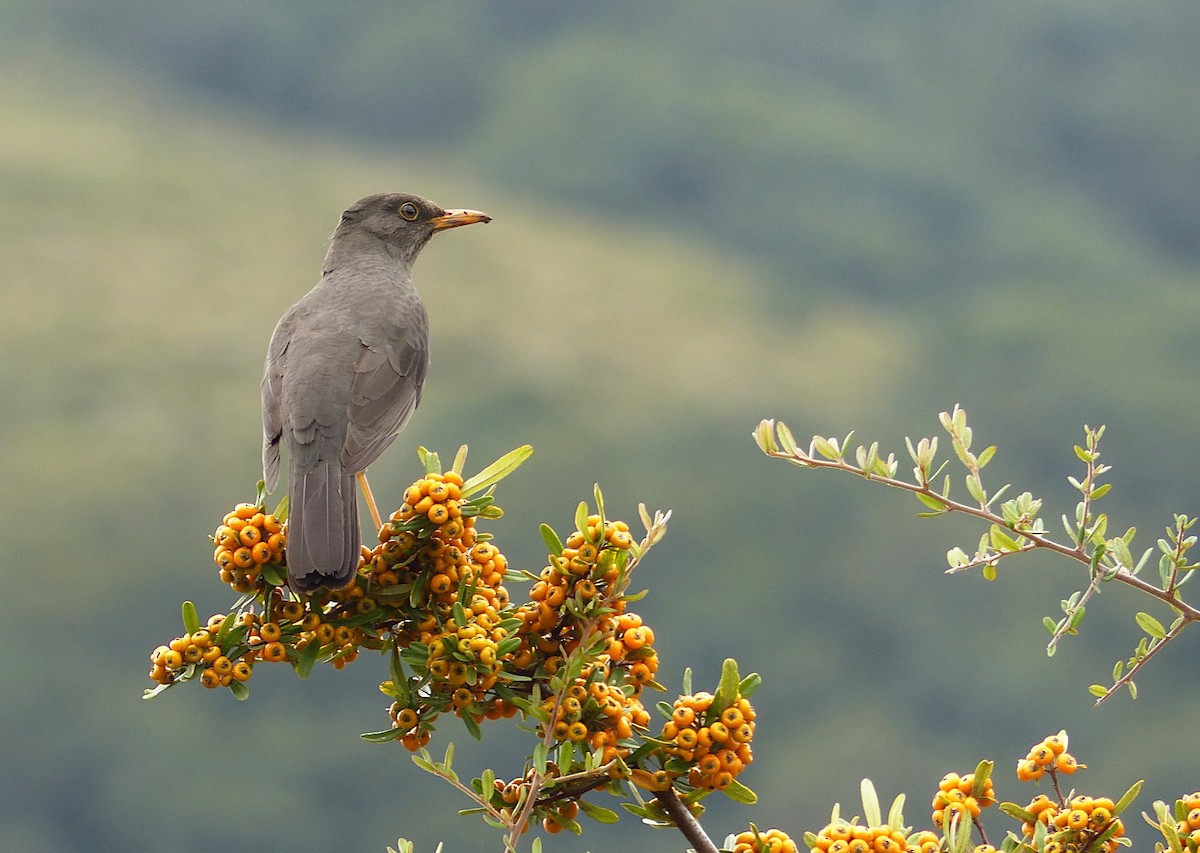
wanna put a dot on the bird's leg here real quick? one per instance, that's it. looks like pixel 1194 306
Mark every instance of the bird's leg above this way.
pixel 366 487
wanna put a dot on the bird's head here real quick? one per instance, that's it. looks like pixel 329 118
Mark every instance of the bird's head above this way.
pixel 403 222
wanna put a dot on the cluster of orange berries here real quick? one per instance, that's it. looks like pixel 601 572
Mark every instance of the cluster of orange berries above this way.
pixel 437 498
pixel 246 540
pixel 755 840
pixel 1049 755
pixel 1188 826
pixel 597 714
pixel 715 743
pixel 582 573
pixel 842 837
pixel 199 649
pixel 555 816
pixel 1080 821
pixel 956 796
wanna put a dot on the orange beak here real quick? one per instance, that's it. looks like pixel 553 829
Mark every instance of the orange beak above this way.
pixel 455 218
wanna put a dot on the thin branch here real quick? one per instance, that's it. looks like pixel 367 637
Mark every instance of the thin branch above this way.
pixel 1075 552
pixel 685 822
pixel 1128 677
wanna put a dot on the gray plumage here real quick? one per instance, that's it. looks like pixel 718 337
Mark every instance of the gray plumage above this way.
pixel 344 373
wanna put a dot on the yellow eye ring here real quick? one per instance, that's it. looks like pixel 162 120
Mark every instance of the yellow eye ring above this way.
pixel 409 211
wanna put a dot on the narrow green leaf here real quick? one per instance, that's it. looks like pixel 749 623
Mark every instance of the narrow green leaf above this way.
pixel 1098 690
pixel 281 510
pixel 598 813
pixel 749 684
pixel 739 793
pixel 870 803
pixel 1150 625
pixel 191 619
pixel 227 626
pixel 551 539
pixel 1100 491
pixel 460 460
pixel 1049 624
pixel 240 690
pixel 1001 541
pixel 304 661
pixel 726 692
pixel 764 436
pixel 687 681
pixel 1128 797
pixel 786 438
pixel 896 812
pixel 986 455
pixel 931 502
pixel 825 448
pixel 975 488
pixel 497 471
pixel 383 736
pixel 1016 812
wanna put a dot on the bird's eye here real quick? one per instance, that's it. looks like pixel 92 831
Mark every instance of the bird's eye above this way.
pixel 409 211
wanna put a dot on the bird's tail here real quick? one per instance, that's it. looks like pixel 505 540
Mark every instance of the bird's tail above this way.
pixel 323 535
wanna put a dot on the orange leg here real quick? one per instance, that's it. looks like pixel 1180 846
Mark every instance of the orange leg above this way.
pixel 366 487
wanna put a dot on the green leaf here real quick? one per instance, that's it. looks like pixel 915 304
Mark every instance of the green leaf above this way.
pixel 598 813
pixel 240 690
pixel 1050 625
pixel 931 502
pixel 896 812
pixel 1128 797
pixel 383 736
pixel 1150 625
pixel 1017 813
pixel 472 726
pixel 151 692
pixel 786 438
pixel 1001 541
pixel 227 626
pixel 191 619
pixel 581 514
pixel 870 803
pixel 551 539
pixel 726 692
pixel 1098 690
pixel 826 449
pixel 460 460
pixel 986 455
pixel 271 574
pixel 1100 491
pixel 975 489
pixel 304 661
pixel 281 510
pixel 739 793
pixel 749 684
pixel 497 471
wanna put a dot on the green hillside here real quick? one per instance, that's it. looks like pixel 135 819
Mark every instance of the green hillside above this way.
pixel 152 238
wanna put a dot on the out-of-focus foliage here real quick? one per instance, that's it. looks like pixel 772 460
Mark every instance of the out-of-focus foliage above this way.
pixel 836 214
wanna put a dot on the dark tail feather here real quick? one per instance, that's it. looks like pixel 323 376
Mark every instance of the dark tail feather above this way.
pixel 323 536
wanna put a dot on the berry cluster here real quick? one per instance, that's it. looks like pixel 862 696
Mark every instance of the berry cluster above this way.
pixel 755 840
pixel 1076 824
pixel 248 539
pixel 960 796
pixel 597 714
pixel 711 744
pixel 1188 826
pixel 198 654
pixel 1048 756
pixel 843 837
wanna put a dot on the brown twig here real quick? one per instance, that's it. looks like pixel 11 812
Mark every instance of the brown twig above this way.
pixel 686 823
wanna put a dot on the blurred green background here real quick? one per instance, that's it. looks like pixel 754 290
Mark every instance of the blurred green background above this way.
pixel 846 215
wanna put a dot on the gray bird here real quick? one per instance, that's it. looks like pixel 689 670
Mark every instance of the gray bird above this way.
pixel 344 373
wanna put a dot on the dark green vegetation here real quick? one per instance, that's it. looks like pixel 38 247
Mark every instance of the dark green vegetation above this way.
pixel 846 217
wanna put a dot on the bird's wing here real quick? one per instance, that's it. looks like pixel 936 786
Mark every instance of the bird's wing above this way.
pixel 388 377
pixel 272 386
